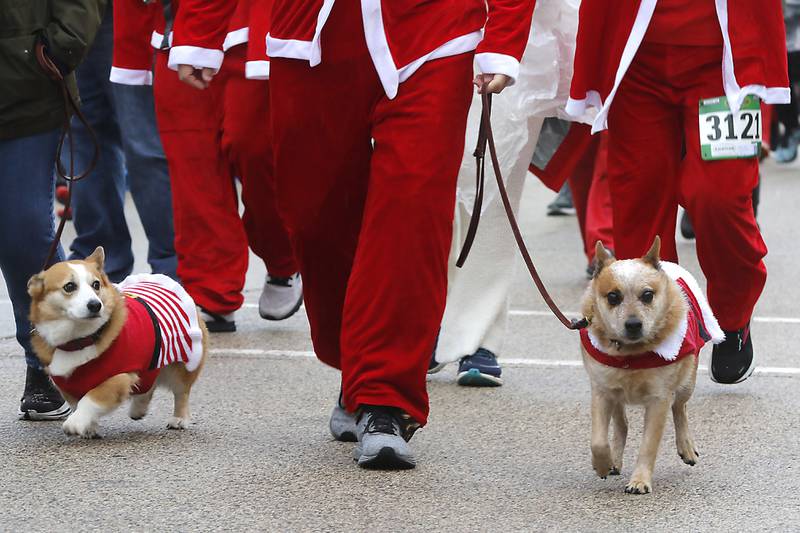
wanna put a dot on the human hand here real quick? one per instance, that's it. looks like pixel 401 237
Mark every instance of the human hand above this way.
pixel 196 77
pixel 491 83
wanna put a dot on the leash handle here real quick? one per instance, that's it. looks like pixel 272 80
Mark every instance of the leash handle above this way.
pixel 486 136
pixel 70 104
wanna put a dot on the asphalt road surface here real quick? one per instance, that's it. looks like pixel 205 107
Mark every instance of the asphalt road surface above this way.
pixel 258 455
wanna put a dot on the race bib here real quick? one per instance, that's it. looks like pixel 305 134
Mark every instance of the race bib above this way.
pixel 726 135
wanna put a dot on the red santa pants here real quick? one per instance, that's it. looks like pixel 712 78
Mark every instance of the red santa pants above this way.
pixel 592 198
pixel 247 143
pixel 366 186
pixel 200 141
pixel 654 112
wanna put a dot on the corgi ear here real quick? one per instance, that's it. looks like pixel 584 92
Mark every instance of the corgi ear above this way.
pixel 98 257
pixel 36 286
pixel 652 256
pixel 602 257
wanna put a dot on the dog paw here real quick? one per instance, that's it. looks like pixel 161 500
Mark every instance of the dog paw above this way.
pixel 137 412
pixel 177 423
pixel 689 458
pixel 602 463
pixel 638 487
pixel 688 453
pixel 80 426
pixel 614 471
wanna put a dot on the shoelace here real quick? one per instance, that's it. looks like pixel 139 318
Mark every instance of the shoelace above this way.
pixel 381 422
pixel 281 282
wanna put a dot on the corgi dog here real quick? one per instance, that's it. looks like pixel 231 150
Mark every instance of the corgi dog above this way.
pixel 103 343
pixel 648 320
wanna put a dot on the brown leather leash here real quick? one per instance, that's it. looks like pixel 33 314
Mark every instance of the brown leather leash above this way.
pixel 69 176
pixel 485 136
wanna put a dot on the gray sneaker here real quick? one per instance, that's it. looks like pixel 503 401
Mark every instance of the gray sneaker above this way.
pixel 281 297
pixel 381 445
pixel 342 424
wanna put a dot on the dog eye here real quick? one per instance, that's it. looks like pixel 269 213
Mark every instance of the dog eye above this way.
pixel 70 287
pixel 647 296
pixel 96 285
pixel 614 298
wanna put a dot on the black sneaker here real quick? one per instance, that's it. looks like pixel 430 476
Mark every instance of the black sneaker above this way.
pixel 480 369
pixel 217 323
pixel 732 360
pixel 41 400
pixel 687 228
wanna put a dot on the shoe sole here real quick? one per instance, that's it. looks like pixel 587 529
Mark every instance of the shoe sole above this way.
pixel 561 212
pixel 35 416
pixel 475 378
pixel 438 368
pixel 747 374
pixel 347 436
pixel 385 459
pixel 291 313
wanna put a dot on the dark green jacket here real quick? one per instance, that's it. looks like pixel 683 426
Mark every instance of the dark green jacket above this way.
pixel 30 102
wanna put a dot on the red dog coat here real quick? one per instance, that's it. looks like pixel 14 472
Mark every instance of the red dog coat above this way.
pixel 161 329
pixel 697 328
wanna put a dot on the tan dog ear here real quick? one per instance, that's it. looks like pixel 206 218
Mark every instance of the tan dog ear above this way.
pixel 652 256
pixel 602 257
pixel 98 257
pixel 36 285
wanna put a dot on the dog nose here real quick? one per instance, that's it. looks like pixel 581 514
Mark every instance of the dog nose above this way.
pixel 94 306
pixel 633 328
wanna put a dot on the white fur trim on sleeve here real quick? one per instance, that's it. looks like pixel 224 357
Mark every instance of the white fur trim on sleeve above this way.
pixel 235 37
pixel 256 70
pixel 195 56
pixel 492 63
pixel 128 76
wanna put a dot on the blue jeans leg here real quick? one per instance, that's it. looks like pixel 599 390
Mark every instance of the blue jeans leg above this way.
pixel 26 220
pixel 99 200
pixel 148 175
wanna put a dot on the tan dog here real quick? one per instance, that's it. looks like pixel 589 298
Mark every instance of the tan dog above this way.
pixel 648 320
pixel 102 343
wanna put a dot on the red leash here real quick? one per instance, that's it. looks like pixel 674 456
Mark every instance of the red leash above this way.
pixel 70 107
pixel 485 136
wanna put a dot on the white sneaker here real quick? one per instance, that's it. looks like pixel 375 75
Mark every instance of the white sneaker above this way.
pixel 281 297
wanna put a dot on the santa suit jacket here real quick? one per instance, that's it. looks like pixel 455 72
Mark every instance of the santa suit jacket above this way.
pixel 134 24
pixel 610 33
pixel 401 34
pixel 205 30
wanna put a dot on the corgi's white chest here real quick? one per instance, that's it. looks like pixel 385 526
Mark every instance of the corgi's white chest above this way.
pixel 65 363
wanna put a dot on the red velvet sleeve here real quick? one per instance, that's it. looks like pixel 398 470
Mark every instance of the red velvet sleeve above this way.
pixel 505 36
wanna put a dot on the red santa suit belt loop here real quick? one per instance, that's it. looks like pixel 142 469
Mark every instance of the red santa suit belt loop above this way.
pixel 486 137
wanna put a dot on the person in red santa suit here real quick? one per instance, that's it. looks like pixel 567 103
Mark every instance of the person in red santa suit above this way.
pixel 370 102
pixel 209 137
pixel 245 143
pixel 657 70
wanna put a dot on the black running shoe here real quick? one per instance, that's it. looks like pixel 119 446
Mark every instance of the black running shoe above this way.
pixel 217 323
pixel 732 360
pixel 41 400
pixel 687 228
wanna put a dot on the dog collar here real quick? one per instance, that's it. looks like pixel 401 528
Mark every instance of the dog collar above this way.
pixel 76 345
